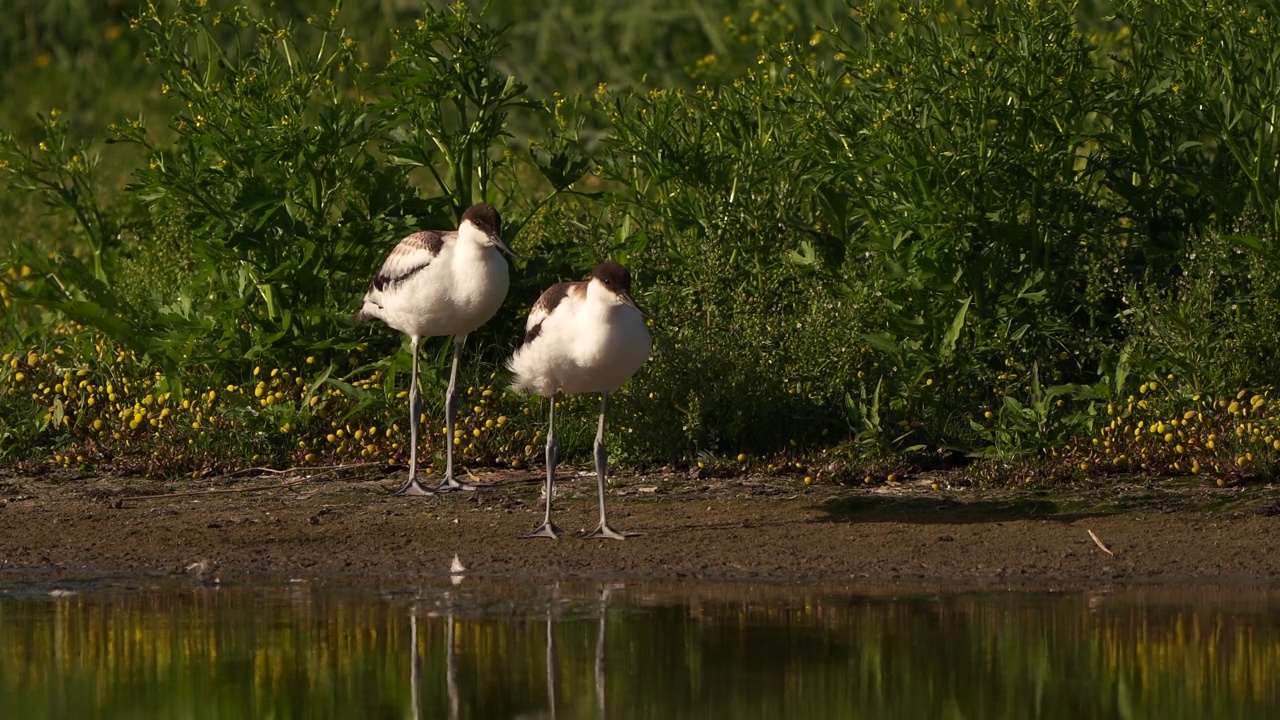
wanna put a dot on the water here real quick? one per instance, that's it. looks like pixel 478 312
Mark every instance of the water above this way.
pixel 636 650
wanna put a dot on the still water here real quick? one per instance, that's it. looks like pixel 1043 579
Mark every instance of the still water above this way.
pixel 636 650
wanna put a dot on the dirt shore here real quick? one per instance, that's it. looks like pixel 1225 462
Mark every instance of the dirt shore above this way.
pixel 55 530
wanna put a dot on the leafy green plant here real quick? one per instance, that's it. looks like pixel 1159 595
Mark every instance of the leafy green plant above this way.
pixel 60 171
pixel 924 230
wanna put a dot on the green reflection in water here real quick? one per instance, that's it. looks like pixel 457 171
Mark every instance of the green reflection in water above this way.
pixel 491 650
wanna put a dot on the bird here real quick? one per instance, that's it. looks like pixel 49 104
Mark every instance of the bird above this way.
pixel 440 283
pixel 581 337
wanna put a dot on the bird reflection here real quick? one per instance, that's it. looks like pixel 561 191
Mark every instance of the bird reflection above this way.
pixel 419 698
pixel 415 664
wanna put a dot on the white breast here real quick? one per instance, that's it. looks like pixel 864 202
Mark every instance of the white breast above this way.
pixel 583 347
pixel 461 287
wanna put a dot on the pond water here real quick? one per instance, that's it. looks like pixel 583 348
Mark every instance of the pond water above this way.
pixel 636 650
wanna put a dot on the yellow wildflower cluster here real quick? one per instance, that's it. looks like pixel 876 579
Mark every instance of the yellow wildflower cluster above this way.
pixel 106 403
pixel 1161 430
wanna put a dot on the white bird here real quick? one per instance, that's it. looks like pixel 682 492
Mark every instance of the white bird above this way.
pixel 581 337
pixel 440 283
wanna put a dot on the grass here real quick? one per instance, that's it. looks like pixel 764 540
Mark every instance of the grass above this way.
pixel 876 238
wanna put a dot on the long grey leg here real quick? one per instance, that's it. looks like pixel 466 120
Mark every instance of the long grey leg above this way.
pixel 451 412
pixel 412 486
pixel 548 528
pixel 604 531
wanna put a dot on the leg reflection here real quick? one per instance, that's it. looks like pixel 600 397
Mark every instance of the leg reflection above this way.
pixel 450 668
pixel 553 667
pixel 604 601
pixel 606 591
pixel 415 666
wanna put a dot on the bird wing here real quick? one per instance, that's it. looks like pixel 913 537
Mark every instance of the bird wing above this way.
pixel 411 256
pixel 547 302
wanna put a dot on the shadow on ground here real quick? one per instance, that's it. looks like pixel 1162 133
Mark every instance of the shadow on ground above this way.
pixel 939 510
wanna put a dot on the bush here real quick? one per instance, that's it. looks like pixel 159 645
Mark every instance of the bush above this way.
pixel 981 197
pixel 927 231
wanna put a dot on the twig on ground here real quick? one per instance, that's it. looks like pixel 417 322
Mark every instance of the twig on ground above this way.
pixel 1098 542
pixel 217 491
pixel 257 488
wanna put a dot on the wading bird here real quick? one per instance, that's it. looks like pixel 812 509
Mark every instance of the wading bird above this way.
pixel 581 337
pixel 440 283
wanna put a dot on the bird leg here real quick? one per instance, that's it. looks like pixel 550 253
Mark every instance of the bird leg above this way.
pixel 604 531
pixel 412 486
pixel 548 528
pixel 450 413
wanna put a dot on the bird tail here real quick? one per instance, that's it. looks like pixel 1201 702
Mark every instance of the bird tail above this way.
pixel 370 310
pixel 521 375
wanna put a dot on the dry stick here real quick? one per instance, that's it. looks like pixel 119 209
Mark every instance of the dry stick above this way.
pixel 215 492
pixel 1098 542
pixel 286 471
pixel 326 471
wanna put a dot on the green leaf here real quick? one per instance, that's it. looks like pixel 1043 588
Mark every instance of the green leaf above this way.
pixel 805 256
pixel 883 342
pixel 953 332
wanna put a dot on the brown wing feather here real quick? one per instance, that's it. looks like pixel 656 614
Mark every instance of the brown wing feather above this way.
pixel 410 256
pixel 547 302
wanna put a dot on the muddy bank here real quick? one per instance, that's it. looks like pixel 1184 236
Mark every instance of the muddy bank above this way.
pixel 769 529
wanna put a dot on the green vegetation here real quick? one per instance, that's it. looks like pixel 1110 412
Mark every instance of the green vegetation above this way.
pixel 875 238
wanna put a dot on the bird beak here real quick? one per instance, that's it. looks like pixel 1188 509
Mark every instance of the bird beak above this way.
pixel 627 299
pixel 503 247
